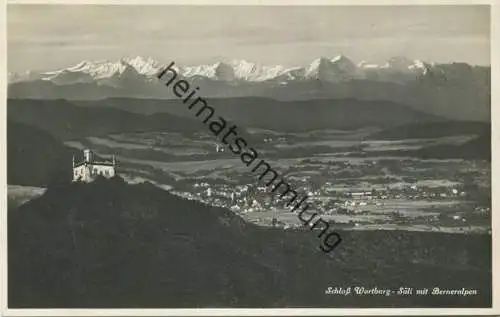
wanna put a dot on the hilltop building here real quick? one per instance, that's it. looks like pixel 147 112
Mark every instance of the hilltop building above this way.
pixel 88 169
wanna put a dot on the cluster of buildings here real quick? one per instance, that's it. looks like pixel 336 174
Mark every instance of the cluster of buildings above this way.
pixel 250 198
pixel 326 199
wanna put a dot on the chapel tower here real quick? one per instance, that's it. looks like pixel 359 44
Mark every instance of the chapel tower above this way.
pixel 88 169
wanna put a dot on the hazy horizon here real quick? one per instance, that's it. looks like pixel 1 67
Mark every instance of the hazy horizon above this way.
pixel 39 36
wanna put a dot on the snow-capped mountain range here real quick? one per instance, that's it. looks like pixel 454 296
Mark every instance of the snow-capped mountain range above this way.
pixel 337 69
pixel 454 90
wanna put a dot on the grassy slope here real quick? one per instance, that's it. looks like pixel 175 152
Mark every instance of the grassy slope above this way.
pixel 109 244
pixel 432 130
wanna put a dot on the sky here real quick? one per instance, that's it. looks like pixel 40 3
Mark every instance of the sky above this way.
pixel 44 37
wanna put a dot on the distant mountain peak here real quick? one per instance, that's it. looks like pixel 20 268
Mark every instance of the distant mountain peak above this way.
pixel 145 66
pixel 341 58
pixel 337 69
pixel 456 90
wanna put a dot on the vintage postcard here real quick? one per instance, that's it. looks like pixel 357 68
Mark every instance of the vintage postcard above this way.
pixel 212 157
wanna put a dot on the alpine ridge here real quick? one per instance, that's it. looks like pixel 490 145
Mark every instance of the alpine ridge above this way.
pixel 457 91
pixel 337 69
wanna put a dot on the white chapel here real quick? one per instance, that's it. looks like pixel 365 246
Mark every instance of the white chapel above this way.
pixel 88 169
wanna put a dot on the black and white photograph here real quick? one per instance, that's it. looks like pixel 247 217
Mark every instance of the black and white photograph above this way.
pixel 248 156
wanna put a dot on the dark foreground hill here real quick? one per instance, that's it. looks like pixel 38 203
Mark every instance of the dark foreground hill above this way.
pixel 34 156
pixel 109 244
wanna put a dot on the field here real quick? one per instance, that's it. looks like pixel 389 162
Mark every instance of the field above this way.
pixel 350 179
